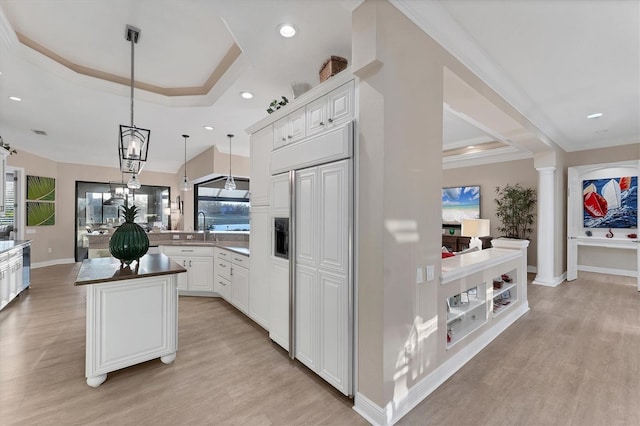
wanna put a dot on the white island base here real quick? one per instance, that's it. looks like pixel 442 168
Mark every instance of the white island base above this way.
pixel 130 321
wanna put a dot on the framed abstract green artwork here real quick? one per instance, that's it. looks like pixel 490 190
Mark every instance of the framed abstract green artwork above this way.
pixel 41 201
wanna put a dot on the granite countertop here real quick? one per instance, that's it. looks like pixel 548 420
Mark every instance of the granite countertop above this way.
pixel 107 269
pixel 240 250
pixel 6 245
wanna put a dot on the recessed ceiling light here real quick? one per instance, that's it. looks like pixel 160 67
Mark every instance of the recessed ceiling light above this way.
pixel 246 95
pixel 471 146
pixel 15 98
pixel 287 30
pixel 595 115
pixel 208 127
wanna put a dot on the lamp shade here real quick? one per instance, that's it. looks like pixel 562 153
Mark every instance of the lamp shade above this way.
pixel 476 227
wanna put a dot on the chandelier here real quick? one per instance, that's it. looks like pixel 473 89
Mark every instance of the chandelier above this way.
pixel 133 141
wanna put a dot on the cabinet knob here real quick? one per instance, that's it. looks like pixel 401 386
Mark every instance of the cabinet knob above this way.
pixel 322 123
pixel 289 136
pixel 189 264
pixel 330 120
pixel 284 139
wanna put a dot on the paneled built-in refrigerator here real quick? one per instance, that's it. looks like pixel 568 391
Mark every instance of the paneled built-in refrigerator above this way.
pixel 319 276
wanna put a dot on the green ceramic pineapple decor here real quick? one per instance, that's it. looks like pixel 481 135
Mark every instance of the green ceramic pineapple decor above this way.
pixel 129 242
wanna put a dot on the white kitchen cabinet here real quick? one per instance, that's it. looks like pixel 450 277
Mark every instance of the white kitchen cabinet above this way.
pixel 330 110
pixel 289 129
pixel 12 278
pixel 3 169
pixel 240 287
pixel 279 195
pixel 15 272
pixel 316 119
pixel 198 261
pixel 341 104
pixel 259 271
pixel 322 271
pixel 232 277
pixel 261 145
pixel 4 281
pixel 222 286
pixel 279 302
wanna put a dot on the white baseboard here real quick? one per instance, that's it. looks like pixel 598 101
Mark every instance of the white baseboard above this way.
pixel 610 271
pixel 395 410
pixel 369 410
pixel 554 282
pixel 52 263
pixel 532 269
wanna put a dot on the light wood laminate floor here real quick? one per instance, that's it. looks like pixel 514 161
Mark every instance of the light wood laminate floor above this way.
pixel 574 359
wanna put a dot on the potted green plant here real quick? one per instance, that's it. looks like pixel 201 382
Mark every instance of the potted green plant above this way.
pixel 276 104
pixel 515 209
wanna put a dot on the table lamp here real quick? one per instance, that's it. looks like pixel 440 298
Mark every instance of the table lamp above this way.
pixel 475 228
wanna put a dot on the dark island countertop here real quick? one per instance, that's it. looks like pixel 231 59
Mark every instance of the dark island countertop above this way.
pixel 6 245
pixel 107 269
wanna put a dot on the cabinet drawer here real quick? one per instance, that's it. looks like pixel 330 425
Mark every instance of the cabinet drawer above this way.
pixel 222 287
pixel 240 260
pixel 222 254
pixel 223 269
pixel 186 251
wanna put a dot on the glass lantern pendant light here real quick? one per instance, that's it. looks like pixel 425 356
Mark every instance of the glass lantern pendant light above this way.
pixel 133 143
pixel 230 185
pixel 185 185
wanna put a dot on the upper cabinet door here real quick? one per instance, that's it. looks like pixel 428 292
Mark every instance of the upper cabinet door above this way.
pixel 316 116
pixel 296 125
pixel 289 129
pixel 341 104
pixel 280 132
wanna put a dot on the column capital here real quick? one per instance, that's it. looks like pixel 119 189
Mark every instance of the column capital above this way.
pixel 545 170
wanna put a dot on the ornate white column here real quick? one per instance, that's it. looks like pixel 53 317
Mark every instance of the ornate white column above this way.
pixel 546 226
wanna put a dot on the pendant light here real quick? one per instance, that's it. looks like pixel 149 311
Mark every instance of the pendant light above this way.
pixel 230 185
pixel 133 182
pixel 133 144
pixel 185 185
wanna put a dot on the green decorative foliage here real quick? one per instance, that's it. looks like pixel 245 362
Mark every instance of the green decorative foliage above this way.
pixel 39 214
pixel 129 213
pixel 276 104
pixel 41 188
pixel 515 208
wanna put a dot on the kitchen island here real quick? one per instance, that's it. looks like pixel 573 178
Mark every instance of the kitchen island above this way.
pixel 132 313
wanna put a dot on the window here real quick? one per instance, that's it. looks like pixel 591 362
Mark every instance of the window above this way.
pixel 98 209
pixel 10 199
pixel 223 210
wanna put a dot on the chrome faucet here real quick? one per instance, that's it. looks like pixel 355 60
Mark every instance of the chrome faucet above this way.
pixel 204 223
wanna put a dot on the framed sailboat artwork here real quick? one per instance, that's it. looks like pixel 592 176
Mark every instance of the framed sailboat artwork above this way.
pixel 610 202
